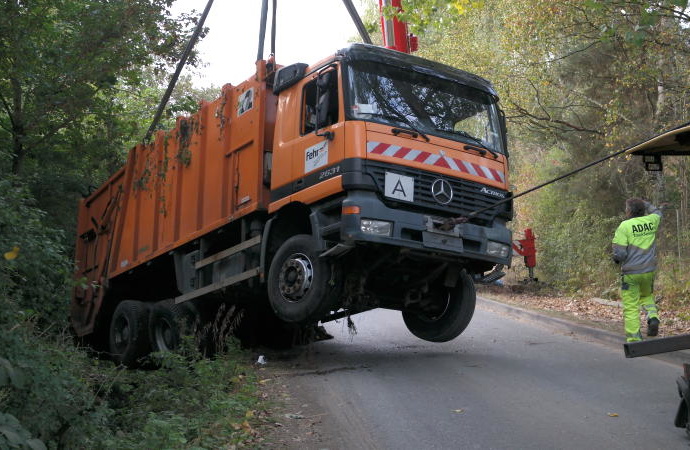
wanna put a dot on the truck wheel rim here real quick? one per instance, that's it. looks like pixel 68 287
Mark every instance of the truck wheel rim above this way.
pixel 296 276
pixel 164 336
pixel 431 317
pixel 122 334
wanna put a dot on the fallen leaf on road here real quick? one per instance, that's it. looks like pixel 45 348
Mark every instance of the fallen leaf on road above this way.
pixel 613 415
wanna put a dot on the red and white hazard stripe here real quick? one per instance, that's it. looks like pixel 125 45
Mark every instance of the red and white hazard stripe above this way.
pixel 434 159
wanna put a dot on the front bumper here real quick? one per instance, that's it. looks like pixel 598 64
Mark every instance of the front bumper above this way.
pixel 419 231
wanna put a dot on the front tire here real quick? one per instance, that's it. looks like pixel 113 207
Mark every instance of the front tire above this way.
pixel 455 308
pixel 128 335
pixel 302 286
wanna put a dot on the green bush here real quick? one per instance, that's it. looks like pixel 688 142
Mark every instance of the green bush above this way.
pixel 65 398
pixel 672 285
pixel 574 245
pixel 13 435
pixel 43 377
pixel 54 393
pixel 34 268
pixel 189 402
pixel 56 400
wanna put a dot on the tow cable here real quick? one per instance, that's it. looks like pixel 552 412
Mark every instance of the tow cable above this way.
pixel 449 223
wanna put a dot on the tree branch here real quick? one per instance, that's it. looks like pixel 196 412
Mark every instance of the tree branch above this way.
pixel 603 107
pixel 548 119
pixel 574 52
pixel 8 110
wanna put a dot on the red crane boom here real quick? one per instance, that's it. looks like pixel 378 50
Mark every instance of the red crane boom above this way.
pixel 395 33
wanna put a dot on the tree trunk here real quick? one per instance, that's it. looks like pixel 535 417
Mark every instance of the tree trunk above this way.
pixel 18 130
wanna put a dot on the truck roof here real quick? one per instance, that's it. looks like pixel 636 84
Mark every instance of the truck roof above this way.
pixel 366 52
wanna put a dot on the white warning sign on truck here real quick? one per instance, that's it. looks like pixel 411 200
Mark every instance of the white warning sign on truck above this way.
pixel 316 156
pixel 400 187
pixel 245 102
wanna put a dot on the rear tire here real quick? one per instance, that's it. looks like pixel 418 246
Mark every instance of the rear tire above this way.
pixel 456 310
pixel 302 286
pixel 168 323
pixel 128 335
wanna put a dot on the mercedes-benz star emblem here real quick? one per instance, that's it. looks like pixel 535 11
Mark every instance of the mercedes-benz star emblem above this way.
pixel 442 191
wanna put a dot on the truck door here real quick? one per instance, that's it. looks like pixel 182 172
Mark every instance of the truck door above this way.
pixel 318 147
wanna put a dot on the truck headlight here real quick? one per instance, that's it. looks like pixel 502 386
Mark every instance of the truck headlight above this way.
pixel 497 249
pixel 376 227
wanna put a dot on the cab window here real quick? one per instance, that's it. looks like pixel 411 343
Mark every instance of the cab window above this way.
pixel 320 102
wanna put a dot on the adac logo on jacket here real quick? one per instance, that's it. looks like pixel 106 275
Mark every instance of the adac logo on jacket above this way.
pixel 643 229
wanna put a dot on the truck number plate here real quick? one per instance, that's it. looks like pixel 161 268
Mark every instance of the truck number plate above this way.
pixel 399 187
pixel 442 242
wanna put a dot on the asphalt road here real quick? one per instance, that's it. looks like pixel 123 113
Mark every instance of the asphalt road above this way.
pixel 505 383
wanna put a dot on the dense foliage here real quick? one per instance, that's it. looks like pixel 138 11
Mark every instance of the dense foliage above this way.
pixel 79 82
pixel 53 393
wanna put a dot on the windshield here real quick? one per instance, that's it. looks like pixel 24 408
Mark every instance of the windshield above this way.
pixel 424 103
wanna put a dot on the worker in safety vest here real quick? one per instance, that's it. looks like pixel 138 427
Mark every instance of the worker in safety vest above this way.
pixel 634 248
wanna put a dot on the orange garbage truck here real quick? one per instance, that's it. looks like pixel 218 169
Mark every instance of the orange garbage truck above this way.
pixel 317 190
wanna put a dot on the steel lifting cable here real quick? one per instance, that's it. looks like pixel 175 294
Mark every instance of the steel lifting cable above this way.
pixel 262 30
pixel 178 70
pixel 449 223
pixel 364 34
pixel 273 28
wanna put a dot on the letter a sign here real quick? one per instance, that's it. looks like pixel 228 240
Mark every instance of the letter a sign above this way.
pixel 399 187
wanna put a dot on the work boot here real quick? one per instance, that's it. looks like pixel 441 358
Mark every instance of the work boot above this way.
pixel 653 326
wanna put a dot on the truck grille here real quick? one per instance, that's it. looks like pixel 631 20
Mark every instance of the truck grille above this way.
pixel 467 195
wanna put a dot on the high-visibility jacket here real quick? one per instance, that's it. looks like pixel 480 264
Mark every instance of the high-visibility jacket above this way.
pixel 634 244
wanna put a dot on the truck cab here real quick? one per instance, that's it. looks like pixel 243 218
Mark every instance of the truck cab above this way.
pixel 380 148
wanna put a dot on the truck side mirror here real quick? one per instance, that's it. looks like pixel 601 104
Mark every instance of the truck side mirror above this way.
pixel 287 76
pixel 504 130
pixel 323 103
pixel 322 99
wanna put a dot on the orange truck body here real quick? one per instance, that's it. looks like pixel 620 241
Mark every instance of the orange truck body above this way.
pixel 200 211
pixel 194 179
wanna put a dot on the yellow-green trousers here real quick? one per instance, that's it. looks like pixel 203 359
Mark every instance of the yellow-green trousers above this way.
pixel 637 292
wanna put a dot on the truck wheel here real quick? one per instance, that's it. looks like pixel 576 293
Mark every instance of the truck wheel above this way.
pixel 456 307
pixel 168 323
pixel 129 333
pixel 302 287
